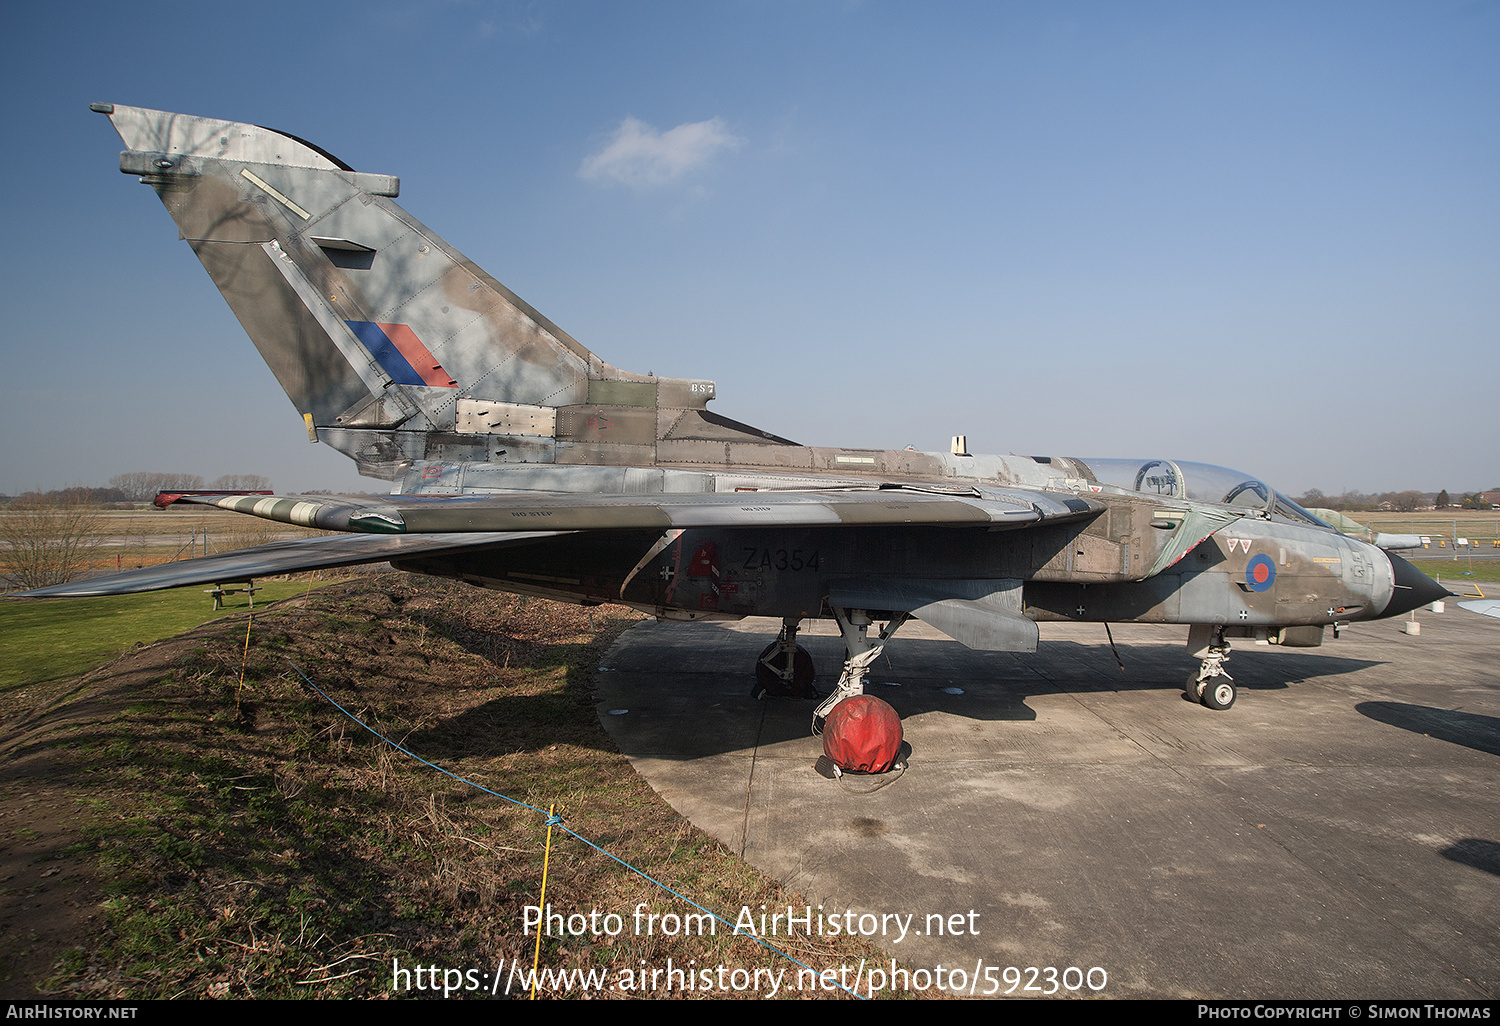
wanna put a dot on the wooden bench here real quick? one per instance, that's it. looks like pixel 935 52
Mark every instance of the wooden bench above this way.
pixel 218 592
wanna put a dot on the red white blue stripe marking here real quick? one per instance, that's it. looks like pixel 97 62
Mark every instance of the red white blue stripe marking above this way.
pixel 401 354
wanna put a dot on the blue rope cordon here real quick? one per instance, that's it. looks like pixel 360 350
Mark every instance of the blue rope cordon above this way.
pixel 554 820
pixel 406 751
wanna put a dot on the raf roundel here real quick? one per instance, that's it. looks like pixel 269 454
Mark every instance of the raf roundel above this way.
pixel 1260 573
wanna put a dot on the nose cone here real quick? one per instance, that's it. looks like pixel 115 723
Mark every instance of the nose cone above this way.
pixel 1413 587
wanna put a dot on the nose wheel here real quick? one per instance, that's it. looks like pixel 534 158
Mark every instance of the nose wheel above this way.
pixel 1210 683
pixel 1217 694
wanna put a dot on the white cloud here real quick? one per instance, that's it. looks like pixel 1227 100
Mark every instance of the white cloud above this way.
pixel 640 155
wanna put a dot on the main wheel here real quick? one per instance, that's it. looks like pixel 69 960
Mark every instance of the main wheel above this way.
pixel 768 682
pixel 1218 694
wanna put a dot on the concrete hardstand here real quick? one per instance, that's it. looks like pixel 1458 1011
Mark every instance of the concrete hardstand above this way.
pixel 1335 834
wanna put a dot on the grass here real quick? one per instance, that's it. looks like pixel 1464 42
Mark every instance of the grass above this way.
pixel 258 843
pixel 1451 571
pixel 1484 524
pixel 44 640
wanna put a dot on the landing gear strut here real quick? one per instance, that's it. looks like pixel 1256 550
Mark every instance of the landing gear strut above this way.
pixel 1210 683
pixel 862 651
pixel 784 669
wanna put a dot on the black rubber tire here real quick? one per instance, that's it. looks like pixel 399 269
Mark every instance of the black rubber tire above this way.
pixel 1190 689
pixel 1219 694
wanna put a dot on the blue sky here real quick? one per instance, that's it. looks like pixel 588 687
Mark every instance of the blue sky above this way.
pixel 1265 235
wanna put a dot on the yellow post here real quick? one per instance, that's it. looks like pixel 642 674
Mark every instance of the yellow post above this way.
pixel 243 658
pixel 536 959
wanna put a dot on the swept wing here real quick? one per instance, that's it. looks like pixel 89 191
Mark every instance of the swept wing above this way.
pixel 416 514
pixel 284 557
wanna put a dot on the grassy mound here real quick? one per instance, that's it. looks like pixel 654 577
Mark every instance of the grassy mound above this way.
pixel 173 834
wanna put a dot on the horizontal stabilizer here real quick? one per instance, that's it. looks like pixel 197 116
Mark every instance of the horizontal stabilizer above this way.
pixel 982 615
pixel 1489 607
pixel 282 557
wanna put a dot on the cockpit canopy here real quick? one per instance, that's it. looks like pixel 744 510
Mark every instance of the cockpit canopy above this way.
pixel 1199 482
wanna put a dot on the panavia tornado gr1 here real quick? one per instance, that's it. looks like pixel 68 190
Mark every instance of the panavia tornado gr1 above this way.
pixel 524 462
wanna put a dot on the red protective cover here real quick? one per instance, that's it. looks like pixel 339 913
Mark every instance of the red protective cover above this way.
pixel 862 734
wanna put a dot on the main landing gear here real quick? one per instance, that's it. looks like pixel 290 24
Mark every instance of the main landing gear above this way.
pixel 784 669
pixel 862 651
pixel 1210 683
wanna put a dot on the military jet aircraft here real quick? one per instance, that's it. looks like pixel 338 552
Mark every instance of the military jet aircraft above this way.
pixel 524 462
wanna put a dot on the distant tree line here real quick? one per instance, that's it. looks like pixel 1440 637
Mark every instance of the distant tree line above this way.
pixel 131 488
pixel 48 537
pixel 142 487
pixel 1400 502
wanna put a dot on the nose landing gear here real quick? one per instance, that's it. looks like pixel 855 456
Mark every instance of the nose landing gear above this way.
pixel 862 650
pixel 1210 683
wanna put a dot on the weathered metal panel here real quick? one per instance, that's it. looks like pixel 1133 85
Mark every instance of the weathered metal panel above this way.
pixel 684 482
pixel 622 393
pixel 692 451
pixel 895 510
pixel 560 478
pixel 625 425
pixel 357 222
pixel 614 454
pixel 157 130
pixel 851 461
pixel 521 449
pixel 212 208
pixel 683 393
pixel 909 463
pixel 299 196
pixel 500 353
pixel 448 445
pixel 756 454
pixel 404 268
pixel 1204 597
pixel 309 367
pixel 1096 557
pixel 488 417
pixel 666 417
pixel 377 452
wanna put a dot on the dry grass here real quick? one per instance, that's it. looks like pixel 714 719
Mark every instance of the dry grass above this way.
pixel 259 843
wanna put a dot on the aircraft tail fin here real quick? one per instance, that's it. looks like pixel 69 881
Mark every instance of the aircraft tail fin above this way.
pixel 392 345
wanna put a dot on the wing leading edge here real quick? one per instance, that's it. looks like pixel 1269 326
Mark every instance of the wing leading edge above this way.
pixel 414 515
pixel 283 557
